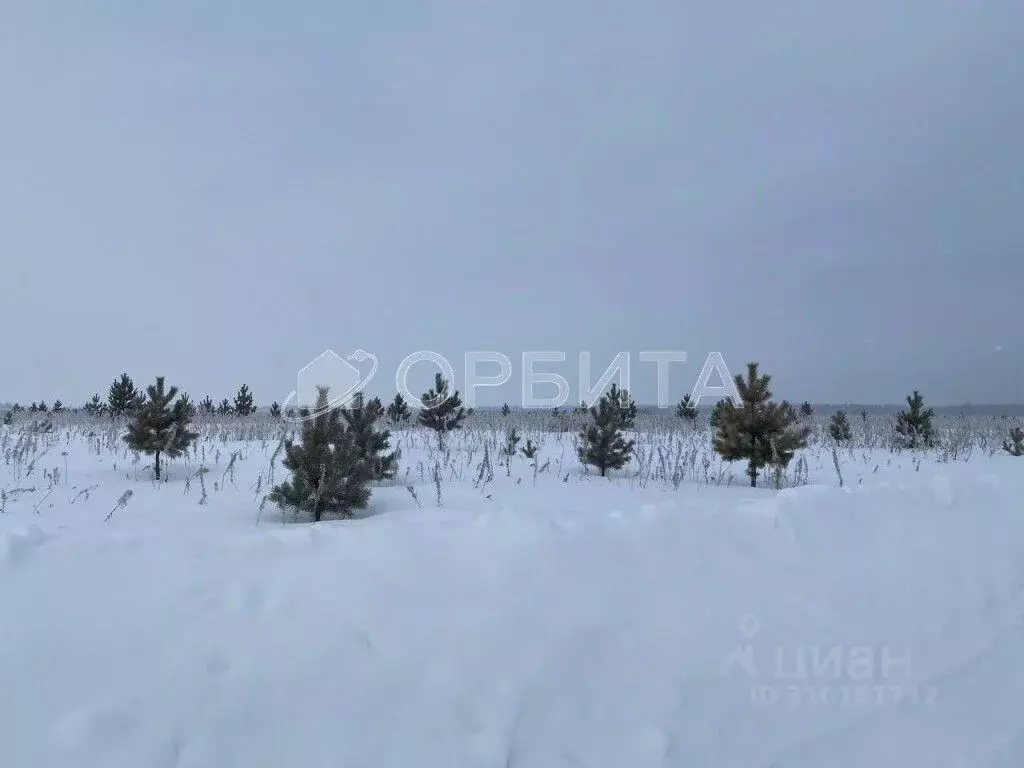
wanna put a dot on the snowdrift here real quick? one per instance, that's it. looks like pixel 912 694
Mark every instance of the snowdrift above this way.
pixel 587 625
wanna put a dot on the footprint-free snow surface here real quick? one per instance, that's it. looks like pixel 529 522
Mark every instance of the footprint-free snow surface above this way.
pixel 580 623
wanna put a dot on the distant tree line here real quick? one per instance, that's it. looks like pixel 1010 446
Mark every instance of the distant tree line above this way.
pixel 343 450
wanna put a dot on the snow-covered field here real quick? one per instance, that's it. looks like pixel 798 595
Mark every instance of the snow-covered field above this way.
pixel 516 616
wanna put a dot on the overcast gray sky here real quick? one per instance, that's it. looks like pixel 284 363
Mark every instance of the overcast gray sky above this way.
pixel 217 192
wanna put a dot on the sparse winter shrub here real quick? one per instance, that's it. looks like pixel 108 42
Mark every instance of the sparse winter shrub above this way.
pixel 371 439
pixel 603 442
pixel 330 475
pixel 398 410
pixel 442 410
pixel 160 427
pixel 96 406
pixel 122 395
pixel 913 426
pixel 686 410
pixel 716 412
pixel 839 427
pixel 759 430
pixel 244 402
pixel 1014 443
